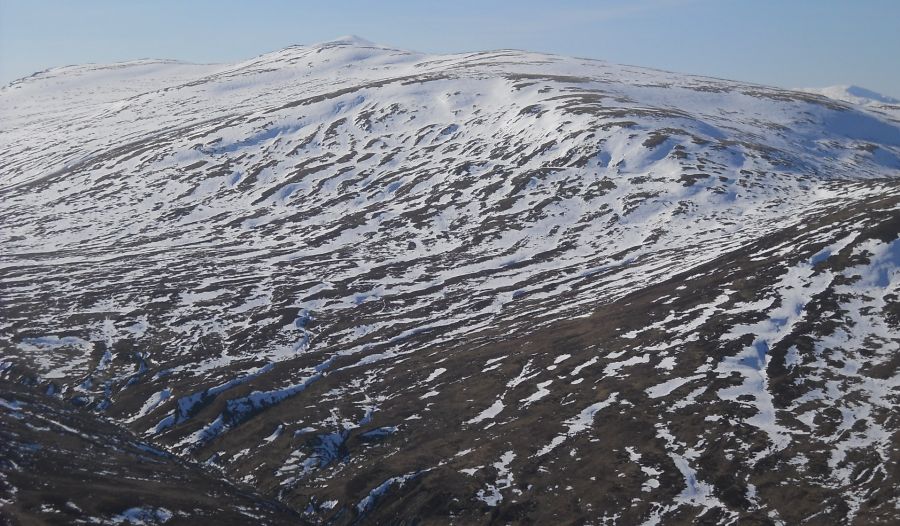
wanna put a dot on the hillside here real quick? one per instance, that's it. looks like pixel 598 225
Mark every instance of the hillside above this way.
pixel 499 287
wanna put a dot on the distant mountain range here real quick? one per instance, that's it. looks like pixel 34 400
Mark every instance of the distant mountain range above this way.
pixel 345 283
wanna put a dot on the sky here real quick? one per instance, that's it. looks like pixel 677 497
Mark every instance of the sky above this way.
pixel 793 44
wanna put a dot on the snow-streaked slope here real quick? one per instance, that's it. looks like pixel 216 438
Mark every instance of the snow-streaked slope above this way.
pixel 265 265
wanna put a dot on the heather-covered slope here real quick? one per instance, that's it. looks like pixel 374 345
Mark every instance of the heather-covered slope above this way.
pixel 60 465
pixel 499 286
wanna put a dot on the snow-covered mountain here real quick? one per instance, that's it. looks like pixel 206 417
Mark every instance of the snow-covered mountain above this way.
pixel 854 95
pixel 492 287
pixel 871 100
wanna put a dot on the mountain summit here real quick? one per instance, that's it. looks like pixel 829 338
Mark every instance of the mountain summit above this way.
pixel 352 40
pixel 362 284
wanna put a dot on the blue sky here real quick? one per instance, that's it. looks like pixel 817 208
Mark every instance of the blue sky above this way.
pixel 791 43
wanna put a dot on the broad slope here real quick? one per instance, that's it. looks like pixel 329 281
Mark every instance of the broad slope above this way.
pixel 482 287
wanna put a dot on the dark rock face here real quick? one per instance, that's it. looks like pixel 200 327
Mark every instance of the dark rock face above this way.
pixel 366 285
